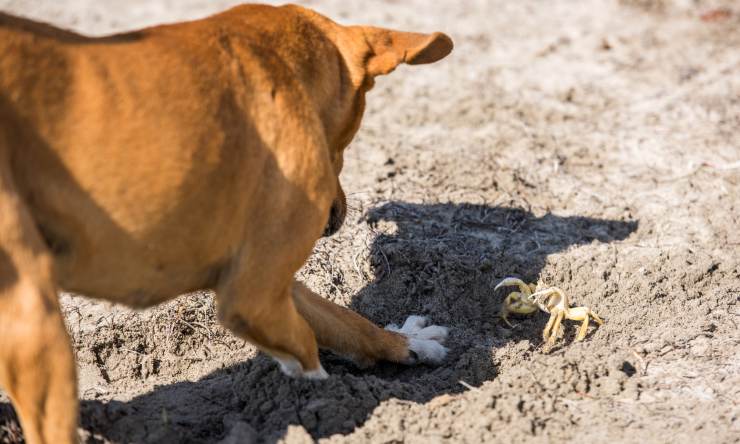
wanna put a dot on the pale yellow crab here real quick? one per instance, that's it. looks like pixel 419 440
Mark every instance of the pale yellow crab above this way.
pixel 550 300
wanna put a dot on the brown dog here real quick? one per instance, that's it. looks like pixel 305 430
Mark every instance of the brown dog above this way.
pixel 206 154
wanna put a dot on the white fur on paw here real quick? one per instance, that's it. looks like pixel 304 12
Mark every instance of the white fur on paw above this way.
pixel 427 351
pixel 317 374
pixel 414 323
pixel 294 369
pixel 425 342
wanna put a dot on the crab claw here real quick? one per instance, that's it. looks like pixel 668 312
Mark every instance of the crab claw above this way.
pixel 516 302
pixel 511 281
pixel 543 297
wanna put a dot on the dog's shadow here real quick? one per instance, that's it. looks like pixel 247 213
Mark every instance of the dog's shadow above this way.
pixel 438 260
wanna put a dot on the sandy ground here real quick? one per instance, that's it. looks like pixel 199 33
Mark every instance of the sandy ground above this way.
pixel 592 145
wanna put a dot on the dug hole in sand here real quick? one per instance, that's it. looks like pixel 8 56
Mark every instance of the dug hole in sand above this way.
pixel 590 145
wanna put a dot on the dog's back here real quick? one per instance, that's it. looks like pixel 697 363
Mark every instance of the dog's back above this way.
pixel 185 107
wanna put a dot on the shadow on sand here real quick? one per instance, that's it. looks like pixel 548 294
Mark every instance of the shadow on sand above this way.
pixel 439 260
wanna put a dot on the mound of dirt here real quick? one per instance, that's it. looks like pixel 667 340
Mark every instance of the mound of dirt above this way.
pixel 592 146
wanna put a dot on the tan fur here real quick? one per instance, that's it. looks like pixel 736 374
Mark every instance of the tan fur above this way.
pixel 205 154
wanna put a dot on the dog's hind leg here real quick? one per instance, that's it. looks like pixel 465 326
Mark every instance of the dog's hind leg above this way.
pixel 347 333
pixel 37 367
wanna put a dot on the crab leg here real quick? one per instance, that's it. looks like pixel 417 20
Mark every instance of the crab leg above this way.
pixel 550 323
pixel 582 331
pixel 504 315
pixel 583 314
pixel 556 328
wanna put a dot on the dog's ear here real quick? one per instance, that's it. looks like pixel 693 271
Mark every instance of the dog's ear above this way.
pixel 388 49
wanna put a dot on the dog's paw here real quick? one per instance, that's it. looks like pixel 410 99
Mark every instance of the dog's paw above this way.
pixel 425 342
pixel 291 367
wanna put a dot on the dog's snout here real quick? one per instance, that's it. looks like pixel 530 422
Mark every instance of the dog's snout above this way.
pixel 336 218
